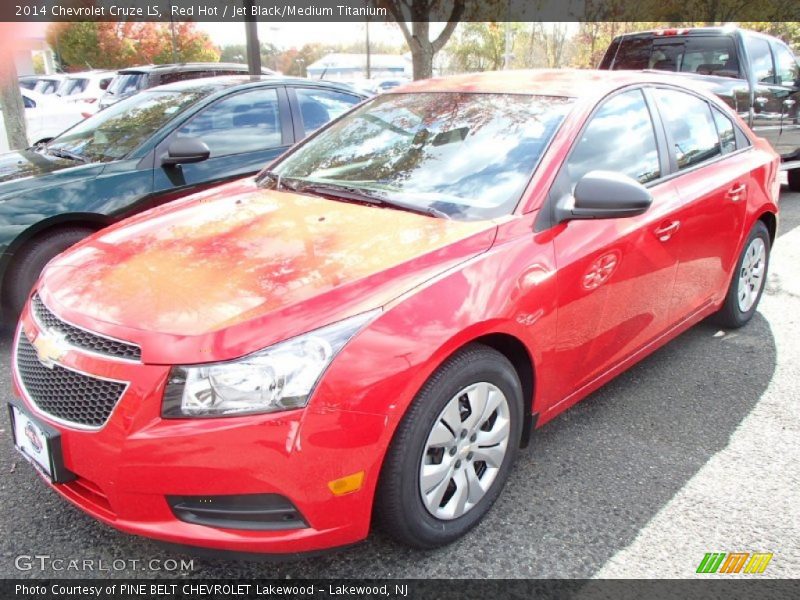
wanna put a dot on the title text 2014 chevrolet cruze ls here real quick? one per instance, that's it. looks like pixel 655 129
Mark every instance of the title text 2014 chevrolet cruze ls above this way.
pixel 374 326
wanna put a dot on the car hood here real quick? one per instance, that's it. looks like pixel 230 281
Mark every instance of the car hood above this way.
pixel 230 270
pixel 26 163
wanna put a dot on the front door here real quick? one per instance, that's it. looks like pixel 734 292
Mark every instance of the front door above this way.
pixel 244 131
pixel 615 276
pixel 788 90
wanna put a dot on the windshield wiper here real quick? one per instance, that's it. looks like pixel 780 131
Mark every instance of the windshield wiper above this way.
pixel 279 180
pixel 63 153
pixel 357 194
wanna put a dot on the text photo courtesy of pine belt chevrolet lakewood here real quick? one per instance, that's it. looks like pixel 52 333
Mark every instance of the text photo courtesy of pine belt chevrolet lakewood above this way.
pixel 370 329
pixel 145 150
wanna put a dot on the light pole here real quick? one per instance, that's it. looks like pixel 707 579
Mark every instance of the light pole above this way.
pixel 251 34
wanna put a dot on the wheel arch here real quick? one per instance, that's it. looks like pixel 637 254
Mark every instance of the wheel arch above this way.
pixel 518 355
pixel 91 220
pixel 771 221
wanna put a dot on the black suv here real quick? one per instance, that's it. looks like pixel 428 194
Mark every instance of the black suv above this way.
pixel 135 79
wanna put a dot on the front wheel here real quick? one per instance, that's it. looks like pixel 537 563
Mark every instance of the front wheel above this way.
pixel 453 451
pixel 749 278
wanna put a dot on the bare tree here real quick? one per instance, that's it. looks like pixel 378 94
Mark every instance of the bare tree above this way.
pixel 11 101
pixel 417 15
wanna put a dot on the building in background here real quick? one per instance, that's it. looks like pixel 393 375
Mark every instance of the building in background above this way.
pixel 32 54
pixel 352 67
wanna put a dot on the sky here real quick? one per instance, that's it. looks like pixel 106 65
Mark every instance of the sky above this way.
pixel 287 35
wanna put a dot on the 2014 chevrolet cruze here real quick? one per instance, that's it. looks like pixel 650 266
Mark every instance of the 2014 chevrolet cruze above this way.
pixel 374 325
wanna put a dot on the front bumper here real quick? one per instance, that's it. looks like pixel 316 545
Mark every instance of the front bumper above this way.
pixel 129 470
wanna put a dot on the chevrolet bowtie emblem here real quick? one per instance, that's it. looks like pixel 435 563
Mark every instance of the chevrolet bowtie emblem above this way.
pixel 50 347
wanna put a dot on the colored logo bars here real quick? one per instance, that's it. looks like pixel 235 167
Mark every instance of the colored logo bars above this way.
pixel 733 562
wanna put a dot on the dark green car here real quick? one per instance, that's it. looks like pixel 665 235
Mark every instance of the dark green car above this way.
pixel 143 151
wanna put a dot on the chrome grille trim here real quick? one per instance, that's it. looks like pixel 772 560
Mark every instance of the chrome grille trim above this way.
pixel 81 339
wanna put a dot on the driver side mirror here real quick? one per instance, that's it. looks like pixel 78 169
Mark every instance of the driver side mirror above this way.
pixel 185 150
pixel 604 195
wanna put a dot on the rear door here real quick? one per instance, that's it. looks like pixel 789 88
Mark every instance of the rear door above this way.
pixel 314 107
pixel 244 131
pixel 713 182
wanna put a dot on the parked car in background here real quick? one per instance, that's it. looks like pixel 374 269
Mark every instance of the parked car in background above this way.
pixel 45 118
pixel 384 85
pixel 28 82
pixel 86 87
pixel 142 152
pixel 756 74
pixel 48 84
pixel 135 79
pixel 372 327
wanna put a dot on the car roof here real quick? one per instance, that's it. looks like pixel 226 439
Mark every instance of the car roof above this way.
pixel 569 83
pixel 183 67
pixel 223 82
pixel 89 74
pixel 678 32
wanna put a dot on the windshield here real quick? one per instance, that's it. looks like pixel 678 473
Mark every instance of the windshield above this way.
pixel 126 83
pixel 46 86
pixel 466 155
pixel 116 131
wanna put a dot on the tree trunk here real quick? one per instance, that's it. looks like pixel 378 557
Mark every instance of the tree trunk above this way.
pixel 422 62
pixel 11 102
pixel 421 50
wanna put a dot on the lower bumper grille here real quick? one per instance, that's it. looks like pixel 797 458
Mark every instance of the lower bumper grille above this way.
pixel 65 394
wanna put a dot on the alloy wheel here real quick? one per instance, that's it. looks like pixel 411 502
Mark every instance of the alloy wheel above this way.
pixel 751 274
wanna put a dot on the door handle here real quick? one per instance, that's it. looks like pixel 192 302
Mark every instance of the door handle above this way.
pixel 664 232
pixel 737 192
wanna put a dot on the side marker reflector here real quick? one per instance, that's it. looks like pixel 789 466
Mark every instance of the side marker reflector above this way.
pixel 347 485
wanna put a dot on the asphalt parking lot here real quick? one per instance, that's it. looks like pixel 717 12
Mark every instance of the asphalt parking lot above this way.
pixel 694 450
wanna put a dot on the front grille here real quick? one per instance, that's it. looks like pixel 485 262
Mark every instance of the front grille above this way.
pixel 81 338
pixel 65 394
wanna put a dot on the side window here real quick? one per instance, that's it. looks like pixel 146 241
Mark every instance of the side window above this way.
pixel 104 83
pixel 317 107
pixel 691 128
pixel 727 135
pixel 619 138
pixel 786 66
pixel 244 122
pixel 28 101
pixel 760 59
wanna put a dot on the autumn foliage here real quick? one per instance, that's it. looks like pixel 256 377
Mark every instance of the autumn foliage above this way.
pixel 108 45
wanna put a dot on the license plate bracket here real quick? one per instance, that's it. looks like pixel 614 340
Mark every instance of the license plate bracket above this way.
pixel 39 444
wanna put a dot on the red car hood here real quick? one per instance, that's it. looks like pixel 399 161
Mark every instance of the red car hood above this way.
pixel 226 272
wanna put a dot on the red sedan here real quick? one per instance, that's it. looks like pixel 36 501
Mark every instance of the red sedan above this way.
pixel 375 325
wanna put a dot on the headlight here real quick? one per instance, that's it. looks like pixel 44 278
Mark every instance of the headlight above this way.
pixel 277 378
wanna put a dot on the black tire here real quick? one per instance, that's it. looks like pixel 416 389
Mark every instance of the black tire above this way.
pixel 399 508
pixel 793 177
pixel 731 315
pixel 29 262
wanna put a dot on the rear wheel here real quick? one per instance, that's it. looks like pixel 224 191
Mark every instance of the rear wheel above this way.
pixel 749 278
pixel 453 451
pixel 29 262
